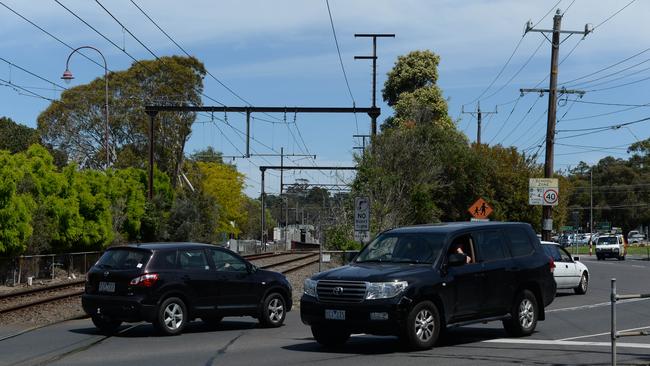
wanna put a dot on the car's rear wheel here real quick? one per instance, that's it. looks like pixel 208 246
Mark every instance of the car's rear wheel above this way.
pixel 274 311
pixel 105 324
pixel 172 316
pixel 422 326
pixel 524 315
pixel 329 337
pixel 583 285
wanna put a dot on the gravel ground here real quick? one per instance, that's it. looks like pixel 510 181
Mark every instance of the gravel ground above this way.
pixel 44 314
pixel 272 260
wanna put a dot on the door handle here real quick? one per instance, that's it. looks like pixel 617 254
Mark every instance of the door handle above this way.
pixel 566 266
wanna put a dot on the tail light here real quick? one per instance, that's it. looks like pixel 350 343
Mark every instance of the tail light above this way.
pixel 146 280
pixel 551 264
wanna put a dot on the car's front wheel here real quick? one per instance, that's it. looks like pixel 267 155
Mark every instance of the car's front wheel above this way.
pixel 582 286
pixel 274 310
pixel 524 315
pixel 106 325
pixel 329 337
pixel 422 326
pixel 172 316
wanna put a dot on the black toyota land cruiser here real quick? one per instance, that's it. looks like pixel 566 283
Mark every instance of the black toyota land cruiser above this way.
pixel 414 281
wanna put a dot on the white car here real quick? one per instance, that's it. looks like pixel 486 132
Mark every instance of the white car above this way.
pixel 569 272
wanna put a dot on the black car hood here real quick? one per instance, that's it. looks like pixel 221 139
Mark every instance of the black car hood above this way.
pixel 374 272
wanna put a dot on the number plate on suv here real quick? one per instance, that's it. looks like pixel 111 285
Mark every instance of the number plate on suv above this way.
pixel 334 314
pixel 107 286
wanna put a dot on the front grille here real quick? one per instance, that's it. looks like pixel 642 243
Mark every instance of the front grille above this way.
pixel 341 291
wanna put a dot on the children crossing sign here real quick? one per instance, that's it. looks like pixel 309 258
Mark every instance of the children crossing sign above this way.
pixel 480 209
pixel 543 191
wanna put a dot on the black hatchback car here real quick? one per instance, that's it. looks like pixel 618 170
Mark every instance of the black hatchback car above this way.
pixel 170 284
pixel 415 281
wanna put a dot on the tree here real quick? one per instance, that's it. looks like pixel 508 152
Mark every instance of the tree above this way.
pixel 15 207
pixel 418 69
pixel 15 137
pixel 75 124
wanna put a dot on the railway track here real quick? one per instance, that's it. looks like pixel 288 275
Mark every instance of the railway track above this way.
pixel 24 299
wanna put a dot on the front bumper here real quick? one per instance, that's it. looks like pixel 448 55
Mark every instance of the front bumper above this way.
pixel 608 252
pixel 358 315
pixel 129 309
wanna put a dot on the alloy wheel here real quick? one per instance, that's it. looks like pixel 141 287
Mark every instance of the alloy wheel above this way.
pixel 173 316
pixel 275 310
pixel 526 313
pixel 424 325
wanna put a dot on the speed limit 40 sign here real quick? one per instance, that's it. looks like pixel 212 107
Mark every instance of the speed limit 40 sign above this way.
pixel 543 191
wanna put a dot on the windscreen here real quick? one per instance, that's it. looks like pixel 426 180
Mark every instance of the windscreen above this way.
pixel 123 258
pixel 403 248
pixel 607 240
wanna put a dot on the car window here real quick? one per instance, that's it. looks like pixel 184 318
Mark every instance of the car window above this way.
pixel 123 258
pixel 519 242
pixel 565 256
pixel 491 246
pixel 463 244
pixel 164 260
pixel 193 259
pixel 403 248
pixel 552 251
pixel 604 240
pixel 224 261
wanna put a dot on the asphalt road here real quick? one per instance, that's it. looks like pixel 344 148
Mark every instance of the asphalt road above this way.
pixel 576 332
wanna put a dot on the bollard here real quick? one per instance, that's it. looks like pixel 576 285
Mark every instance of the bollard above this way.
pixel 613 331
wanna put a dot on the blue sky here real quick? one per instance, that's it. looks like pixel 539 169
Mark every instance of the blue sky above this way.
pixel 282 53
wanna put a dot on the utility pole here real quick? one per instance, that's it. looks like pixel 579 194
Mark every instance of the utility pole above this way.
pixel 591 203
pixel 374 114
pixel 547 211
pixel 478 114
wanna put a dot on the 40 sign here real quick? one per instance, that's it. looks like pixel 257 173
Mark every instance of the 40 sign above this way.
pixel 543 191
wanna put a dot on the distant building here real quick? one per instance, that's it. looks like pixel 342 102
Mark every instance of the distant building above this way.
pixel 300 233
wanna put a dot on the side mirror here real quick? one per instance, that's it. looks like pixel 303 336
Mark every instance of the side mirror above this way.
pixel 576 258
pixel 457 259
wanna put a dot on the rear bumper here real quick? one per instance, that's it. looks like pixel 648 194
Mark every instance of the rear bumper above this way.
pixel 129 309
pixel 357 316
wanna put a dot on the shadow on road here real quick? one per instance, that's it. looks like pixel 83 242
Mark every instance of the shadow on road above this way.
pixel 147 329
pixel 376 345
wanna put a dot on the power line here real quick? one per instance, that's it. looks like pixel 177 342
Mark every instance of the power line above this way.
pixel 607 67
pixel 503 125
pixel 613 104
pixel 613 15
pixel 614 126
pixel 32 74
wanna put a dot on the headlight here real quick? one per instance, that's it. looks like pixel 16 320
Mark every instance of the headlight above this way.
pixel 310 287
pixel 385 290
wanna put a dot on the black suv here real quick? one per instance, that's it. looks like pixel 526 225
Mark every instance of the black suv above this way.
pixel 170 284
pixel 414 281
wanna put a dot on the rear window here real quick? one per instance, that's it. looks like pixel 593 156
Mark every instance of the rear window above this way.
pixel 520 243
pixel 607 240
pixel 123 258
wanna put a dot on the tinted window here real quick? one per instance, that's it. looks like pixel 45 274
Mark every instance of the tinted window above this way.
pixel 193 259
pixel 491 246
pixel 224 261
pixel 164 260
pixel 403 248
pixel 123 258
pixel 519 242
pixel 553 251
pixel 607 240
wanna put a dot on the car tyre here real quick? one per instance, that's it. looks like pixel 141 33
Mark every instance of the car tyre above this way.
pixel 329 337
pixel 524 315
pixel 172 316
pixel 274 311
pixel 583 285
pixel 621 258
pixel 106 325
pixel 422 326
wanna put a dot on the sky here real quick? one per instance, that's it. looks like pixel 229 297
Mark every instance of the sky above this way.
pixel 283 53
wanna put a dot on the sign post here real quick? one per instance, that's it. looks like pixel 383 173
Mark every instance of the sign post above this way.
pixel 362 219
pixel 544 192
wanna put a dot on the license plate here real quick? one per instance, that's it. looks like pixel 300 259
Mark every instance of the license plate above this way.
pixel 335 314
pixel 107 286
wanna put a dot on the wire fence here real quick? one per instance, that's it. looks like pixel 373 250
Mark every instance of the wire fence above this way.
pixel 30 268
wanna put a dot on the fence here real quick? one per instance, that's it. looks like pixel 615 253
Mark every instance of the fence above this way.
pixel 615 334
pixel 17 270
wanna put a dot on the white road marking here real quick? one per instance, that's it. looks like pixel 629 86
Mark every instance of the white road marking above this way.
pixel 591 306
pixel 545 342
pixel 602 334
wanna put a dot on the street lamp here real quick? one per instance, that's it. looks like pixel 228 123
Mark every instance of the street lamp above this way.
pixel 67 77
